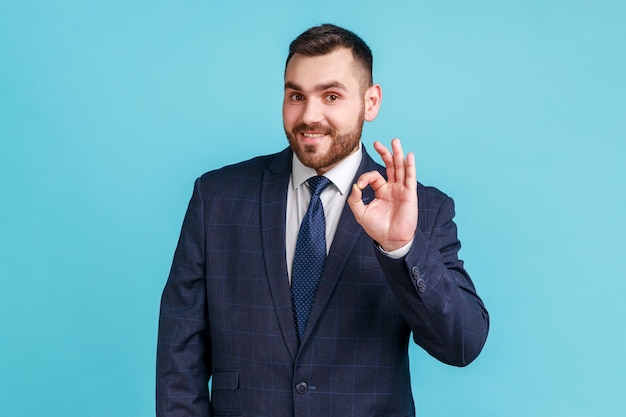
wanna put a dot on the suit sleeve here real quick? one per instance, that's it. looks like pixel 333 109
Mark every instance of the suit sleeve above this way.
pixel 436 295
pixel 183 349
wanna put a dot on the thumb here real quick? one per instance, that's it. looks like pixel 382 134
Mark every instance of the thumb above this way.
pixel 355 201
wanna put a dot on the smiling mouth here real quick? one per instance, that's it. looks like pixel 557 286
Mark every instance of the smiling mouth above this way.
pixel 313 130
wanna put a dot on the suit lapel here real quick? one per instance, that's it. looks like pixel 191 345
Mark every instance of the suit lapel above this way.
pixel 273 209
pixel 346 236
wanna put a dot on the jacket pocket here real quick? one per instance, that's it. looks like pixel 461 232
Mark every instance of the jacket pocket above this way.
pixel 224 393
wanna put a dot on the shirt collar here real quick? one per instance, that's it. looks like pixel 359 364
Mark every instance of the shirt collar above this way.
pixel 341 175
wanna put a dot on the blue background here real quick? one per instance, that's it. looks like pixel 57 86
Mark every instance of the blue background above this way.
pixel 110 110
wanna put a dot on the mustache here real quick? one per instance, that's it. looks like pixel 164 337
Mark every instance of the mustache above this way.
pixel 315 127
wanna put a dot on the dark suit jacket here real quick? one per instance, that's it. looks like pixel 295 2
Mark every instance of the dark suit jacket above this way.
pixel 226 311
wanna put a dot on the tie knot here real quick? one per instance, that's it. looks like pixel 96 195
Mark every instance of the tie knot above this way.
pixel 317 184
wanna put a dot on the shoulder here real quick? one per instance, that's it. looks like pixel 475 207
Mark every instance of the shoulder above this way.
pixel 433 195
pixel 250 170
pixel 251 167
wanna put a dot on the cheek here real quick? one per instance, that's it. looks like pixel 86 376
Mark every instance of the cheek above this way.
pixel 343 120
pixel 290 116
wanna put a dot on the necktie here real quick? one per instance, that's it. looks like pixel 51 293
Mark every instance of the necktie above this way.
pixel 310 255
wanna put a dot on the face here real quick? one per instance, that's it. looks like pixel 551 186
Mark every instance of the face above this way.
pixel 324 107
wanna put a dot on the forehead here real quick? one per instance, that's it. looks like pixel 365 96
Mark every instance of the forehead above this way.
pixel 309 71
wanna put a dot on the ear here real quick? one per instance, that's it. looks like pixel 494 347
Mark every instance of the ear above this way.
pixel 373 98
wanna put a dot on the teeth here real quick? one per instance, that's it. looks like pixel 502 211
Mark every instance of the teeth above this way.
pixel 313 135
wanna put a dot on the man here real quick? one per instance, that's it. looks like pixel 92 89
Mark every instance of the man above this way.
pixel 281 331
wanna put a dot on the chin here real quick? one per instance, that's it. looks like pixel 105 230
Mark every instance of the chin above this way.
pixel 310 155
pixel 312 161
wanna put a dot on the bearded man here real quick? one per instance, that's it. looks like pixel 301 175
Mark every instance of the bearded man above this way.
pixel 300 277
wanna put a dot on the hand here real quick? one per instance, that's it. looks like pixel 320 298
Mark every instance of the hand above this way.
pixel 391 218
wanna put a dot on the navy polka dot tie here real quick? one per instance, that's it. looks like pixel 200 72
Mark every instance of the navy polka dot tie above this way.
pixel 310 255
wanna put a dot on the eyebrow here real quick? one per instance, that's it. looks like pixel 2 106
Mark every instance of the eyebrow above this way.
pixel 318 88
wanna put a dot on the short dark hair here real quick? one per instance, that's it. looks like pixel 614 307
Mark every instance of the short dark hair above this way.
pixel 323 39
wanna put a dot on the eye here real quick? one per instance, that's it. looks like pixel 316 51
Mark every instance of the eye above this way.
pixel 332 97
pixel 296 97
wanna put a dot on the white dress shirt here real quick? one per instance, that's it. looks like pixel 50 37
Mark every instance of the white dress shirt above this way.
pixel 333 199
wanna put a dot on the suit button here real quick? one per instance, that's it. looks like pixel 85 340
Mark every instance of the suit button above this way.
pixel 415 271
pixel 421 285
pixel 301 387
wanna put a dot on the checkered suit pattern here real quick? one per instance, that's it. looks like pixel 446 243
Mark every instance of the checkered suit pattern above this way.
pixel 226 310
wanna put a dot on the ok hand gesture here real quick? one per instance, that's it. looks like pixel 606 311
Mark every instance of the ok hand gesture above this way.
pixel 391 218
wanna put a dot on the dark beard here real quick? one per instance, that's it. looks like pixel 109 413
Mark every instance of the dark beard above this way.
pixel 341 147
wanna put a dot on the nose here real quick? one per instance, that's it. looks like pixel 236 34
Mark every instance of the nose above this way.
pixel 312 112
